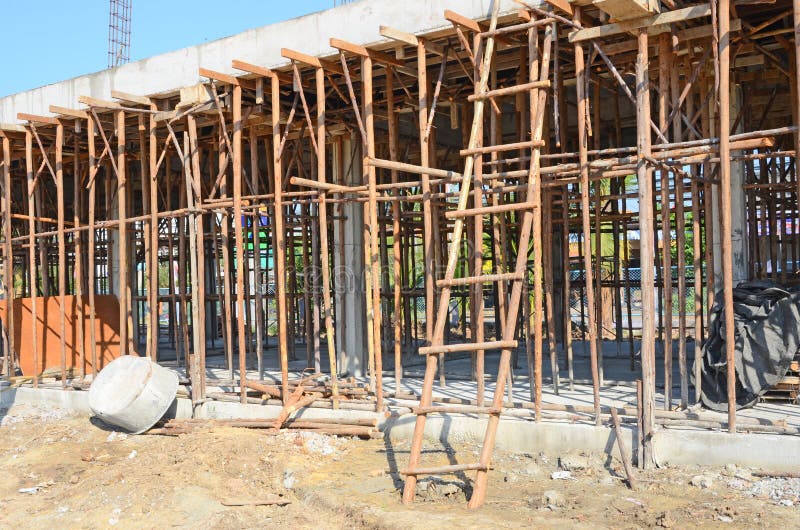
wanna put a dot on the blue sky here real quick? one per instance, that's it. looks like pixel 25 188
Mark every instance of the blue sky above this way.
pixel 45 41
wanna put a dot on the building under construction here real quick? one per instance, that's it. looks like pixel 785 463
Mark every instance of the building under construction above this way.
pixel 522 209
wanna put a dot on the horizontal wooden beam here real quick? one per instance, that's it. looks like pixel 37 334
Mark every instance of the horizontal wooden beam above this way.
pixel 11 128
pixel 410 39
pixel 310 60
pixel 131 98
pixel 262 71
pixel 36 118
pixel 668 17
pixel 697 32
pixel 72 113
pixel 94 102
pixel 461 20
pixel 357 49
pixel 252 68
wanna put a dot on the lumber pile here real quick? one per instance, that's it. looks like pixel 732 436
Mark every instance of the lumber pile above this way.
pixel 789 387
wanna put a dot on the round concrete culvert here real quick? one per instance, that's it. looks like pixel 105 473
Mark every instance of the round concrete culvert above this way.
pixel 132 393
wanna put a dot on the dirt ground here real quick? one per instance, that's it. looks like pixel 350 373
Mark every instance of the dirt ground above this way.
pixel 70 472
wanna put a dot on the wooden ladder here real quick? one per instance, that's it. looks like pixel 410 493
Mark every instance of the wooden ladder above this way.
pixel 530 211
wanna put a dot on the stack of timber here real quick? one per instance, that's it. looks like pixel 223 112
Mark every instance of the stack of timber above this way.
pixel 789 387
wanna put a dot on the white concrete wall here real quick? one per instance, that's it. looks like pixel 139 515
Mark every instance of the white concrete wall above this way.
pixel 358 22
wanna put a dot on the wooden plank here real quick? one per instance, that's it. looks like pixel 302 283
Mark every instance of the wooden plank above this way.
pixel 252 68
pixel 38 119
pixel 72 113
pixel 462 21
pixel 11 128
pixel 678 15
pixel 356 49
pixel 94 102
pixel 310 60
pixel 563 5
pixel 410 39
pixel 620 10
pixel 131 98
pixel 219 76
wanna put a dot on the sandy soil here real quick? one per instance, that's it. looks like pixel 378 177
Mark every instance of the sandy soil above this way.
pixel 69 472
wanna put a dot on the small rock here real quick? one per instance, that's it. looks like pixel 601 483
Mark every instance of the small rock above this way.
pixel 132 455
pixel 532 469
pixel 725 518
pixel 573 462
pixel 786 502
pixel 552 498
pixel 116 436
pixel 736 484
pixel 113 521
pixel 288 479
pixel 702 481
pixel 664 520
pixel 63 509
pixel 74 479
pixel 560 475
pixel 29 491
pixel 730 470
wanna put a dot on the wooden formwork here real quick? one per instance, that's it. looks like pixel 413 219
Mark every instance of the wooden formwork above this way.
pixel 216 214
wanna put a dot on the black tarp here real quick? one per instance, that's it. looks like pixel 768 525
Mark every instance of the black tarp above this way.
pixel 767 321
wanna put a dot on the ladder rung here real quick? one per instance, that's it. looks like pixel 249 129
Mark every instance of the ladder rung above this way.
pixel 511 90
pixel 456 409
pixel 486 210
pixel 455 468
pixel 484 278
pixel 469 346
pixel 504 147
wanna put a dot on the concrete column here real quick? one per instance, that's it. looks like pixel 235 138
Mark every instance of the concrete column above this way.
pixel 738 212
pixel 348 273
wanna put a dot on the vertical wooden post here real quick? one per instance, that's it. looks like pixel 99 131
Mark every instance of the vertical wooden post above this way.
pixel 33 275
pixel 280 242
pixel 796 102
pixel 153 286
pixel 680 229
pixel 239 239
pixel 427 215
pixel 725 203
pixel 91 265
pixel 9 257
pixel 477 262
pixel 583 157
pixel 396 237
pixel 125 316
pixel 323 235
pixel 197 264
pixel 647 255
pixel 62 252
pixel 536 199
pixel 664 67
pixel 374 260
pixel 77 239
pixel 259 297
